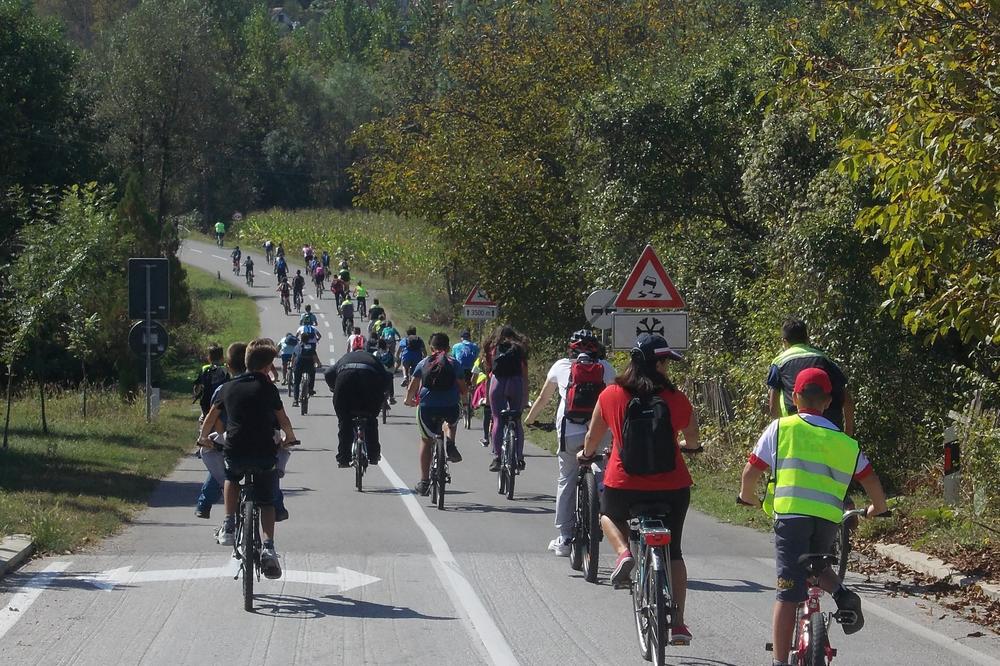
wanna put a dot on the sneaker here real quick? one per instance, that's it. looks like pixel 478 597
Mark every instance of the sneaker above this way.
pixel 295 403
pixel 559 546
pixel 485 442
pixel 622 573
pixel 341 464
pixel 520 463
pixel 392 401
pixel 423 488
pixel 848 600
pixel 374 461
pixel 495 464
pixel 226 535
pixel 680 635
pixel 205 512
pixel 280 515
pixel 452 451
pixel 269 563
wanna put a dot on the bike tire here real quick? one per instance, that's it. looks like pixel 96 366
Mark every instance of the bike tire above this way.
pixel 592 544
pixel 818 639
pixel 640 610
pixel 510 465
pixel 359 473
pixel 842 549
pixel 577 547
pixel 442 476
pixel 468 415
pixel 247 548
pixel 385 413
pixel 304 394
pixel 501 479
pixel 658 627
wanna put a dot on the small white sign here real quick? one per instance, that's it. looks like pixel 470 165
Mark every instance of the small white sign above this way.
pixel 480 312
pixel 673 326
pixel 599 307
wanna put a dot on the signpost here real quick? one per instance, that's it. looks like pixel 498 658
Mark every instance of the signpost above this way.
pixel 478 306
pixel 647 288
pixel 599 308
pixel 149 297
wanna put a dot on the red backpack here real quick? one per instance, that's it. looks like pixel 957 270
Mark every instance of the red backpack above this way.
pixel 586 381
pixel 357 343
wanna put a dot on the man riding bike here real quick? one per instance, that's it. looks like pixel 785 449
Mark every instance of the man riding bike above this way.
pixel 319 277
pixel 361 293
pixel 298 286
pixel 306 360
pixel 325 261
pixel 359 383
pixel 286 293
pixel 347 316
pixel 268 251
pixel 307 253
pixel 308 318
pixel 220 231
pixel 248 265
pixel 337 287
pixel 466 352
pixel 375 312
pixel 280 268
pixel 236 254
pixel 286 350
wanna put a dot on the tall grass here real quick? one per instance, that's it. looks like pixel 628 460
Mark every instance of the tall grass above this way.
pixel 377 243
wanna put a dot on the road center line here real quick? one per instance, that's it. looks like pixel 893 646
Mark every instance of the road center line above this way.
pixel 497 649
pixel 15 609
pixel 218 257
pixel 198 251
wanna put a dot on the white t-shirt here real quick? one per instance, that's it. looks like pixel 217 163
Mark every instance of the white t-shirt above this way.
pixel 559 375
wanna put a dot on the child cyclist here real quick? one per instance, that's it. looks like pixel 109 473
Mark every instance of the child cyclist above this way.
pixel 814 464
pixel 252 407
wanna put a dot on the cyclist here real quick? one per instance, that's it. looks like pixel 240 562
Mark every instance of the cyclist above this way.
pixel 211 489
pixel 220 231
pixel 440 386
pixel 338 288
pixel 287 350
pixel 480 387
pixel 236 254
pixel 211 376
pixel 268 251
pixel 252 407
pixel 410 352
pixel 507 351
pixel 660 476
pixel 307 254
pixel 248 265
pixel 347 316
pixel 281 268
pixel 305 359
pixel 298 285
pixel 319 277
pixel 378 325
pixel 388 361
pixel 808 507
pixel 280 252
pixel 361 293
pixel 587 373
pixel 390 335
pixel 357 341
pixel 797 355
pixel 374 314
pixel 285 290
pixel 358 382
pixel 345 275
pixel 466 352
pixel 308 319
pixel 325 261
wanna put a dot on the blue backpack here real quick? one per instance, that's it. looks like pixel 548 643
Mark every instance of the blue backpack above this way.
pixel 465 353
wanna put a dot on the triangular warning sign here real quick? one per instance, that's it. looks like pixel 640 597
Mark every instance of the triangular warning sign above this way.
pixel 478 297
pixel 648 285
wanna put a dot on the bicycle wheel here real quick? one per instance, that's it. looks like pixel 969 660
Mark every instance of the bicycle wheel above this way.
pixel 640 608
pixel 577 547
pixel 385 412
pixel 247 552
pixel 658 623
pixel 842 549
pixel 442 475
pixel 468 414
pixel 435 463
pixel 592 542
pixel 816 650
pixel 509 463
pixel 304 393
pixel 359 473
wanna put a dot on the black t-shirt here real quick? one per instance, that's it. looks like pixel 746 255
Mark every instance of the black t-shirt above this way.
pixel 782 379
pixel 249 402
pixel 298 283
pixel 352 365
pixel 375 311
pixel 307 355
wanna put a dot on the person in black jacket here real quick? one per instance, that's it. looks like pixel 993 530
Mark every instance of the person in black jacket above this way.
pixel 359 382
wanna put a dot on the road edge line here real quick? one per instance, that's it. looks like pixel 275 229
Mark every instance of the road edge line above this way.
pixel 27 594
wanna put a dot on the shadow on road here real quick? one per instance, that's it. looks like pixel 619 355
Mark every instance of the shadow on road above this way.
pixel 475 507
pixel 726 585
pixel 334 605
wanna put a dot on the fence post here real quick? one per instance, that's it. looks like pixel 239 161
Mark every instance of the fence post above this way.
pixel 952 465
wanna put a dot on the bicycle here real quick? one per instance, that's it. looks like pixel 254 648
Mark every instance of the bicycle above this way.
pixel 359 450
pixel 247 544
pixel 650 585
pixel 584 549
pixel 362 307
pixel 439 472
pixel 319 290
pixel 385 409
pixel 304 385
pixel 347 323
pixel 508 456
pixel 218 239
pixel 236 267
pixel 298 301
pixel 249 275
pixel 842 544
pixel 466 403
pixel 269 255
pixel 286 305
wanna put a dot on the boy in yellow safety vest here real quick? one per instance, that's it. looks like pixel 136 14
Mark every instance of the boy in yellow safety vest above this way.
pixel 814 464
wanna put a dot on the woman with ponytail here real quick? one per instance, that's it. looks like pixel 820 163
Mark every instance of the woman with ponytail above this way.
pixel 658 474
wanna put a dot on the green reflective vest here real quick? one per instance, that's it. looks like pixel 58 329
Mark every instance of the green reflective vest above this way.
pixel 813 469
pixel 793 352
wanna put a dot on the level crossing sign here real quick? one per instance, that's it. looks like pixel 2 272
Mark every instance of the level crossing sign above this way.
pixel 648 285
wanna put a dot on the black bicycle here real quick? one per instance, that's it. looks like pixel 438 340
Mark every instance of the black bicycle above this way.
pixel 439 472
pixel 304 385
pixel 359 451
pixel 348 325
pixel 362 307
pixel 249 275
pixel 385 409
pixel 508 454
pixel 247 545
pixel 651 587
pixel 298 301
pixel 584 549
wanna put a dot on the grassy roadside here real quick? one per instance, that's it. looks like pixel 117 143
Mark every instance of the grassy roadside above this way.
pixel 88 478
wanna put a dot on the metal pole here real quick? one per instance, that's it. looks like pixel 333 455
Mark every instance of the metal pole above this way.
pixel 149 345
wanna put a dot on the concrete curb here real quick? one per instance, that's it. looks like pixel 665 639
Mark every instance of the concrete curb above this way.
pixel 935 568
pixel 14 551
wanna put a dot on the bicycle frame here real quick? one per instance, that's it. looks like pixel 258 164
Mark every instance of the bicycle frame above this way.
pixel 439 471
pixel 651 586
pixel 359 451
pixel 508 456
pixel 249 560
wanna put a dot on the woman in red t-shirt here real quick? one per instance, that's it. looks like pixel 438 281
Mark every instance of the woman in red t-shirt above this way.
pixel 644 377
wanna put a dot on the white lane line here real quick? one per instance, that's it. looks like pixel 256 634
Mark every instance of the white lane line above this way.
pixel 264 273
pixel 322 315
pixel 332 350
pixel 198 251
pixel 218 257
pixel 459 589
pixel 19 603
pixel 326 323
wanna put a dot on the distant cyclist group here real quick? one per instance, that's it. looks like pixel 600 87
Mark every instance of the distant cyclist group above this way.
pixel 638 421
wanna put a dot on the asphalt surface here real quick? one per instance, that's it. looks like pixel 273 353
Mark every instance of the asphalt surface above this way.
pixel 381 577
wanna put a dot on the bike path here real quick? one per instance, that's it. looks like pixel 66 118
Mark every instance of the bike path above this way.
pixel 471 584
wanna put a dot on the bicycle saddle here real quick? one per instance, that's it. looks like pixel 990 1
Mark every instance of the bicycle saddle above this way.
pixel 649 510
pixel 817 561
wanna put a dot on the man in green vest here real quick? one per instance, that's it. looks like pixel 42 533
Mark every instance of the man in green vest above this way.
pixel 796 356
pixel 814 464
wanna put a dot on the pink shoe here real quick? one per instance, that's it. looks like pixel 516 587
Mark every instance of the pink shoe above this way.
pixel 621 576
pixel 680 635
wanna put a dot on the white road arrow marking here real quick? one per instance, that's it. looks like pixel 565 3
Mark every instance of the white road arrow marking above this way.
pixel 27 594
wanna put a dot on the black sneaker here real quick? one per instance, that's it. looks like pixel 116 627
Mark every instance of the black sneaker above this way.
pixel 205 513
pixel 452 452
pixel 520 464
pixel 495 464
pixel 295 403
pixel 342 464
pixel 280 515
pixel 848 600
pixel 422 488
pixel 485 442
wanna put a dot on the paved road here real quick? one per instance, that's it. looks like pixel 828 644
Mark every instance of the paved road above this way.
pixel 381 577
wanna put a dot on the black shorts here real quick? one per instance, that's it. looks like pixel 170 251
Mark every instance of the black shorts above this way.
pixel 265 474
pixel 431 420
pixel 794 537
pixel 615 504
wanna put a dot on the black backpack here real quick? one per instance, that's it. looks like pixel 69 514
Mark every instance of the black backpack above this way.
pixel 210 379
pixel 507 359
pixel 438 374
pixel 649 443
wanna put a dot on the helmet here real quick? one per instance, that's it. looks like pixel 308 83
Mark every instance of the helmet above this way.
pixel 585 342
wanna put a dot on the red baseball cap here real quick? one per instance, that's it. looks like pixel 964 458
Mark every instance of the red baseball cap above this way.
pixel 813 380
